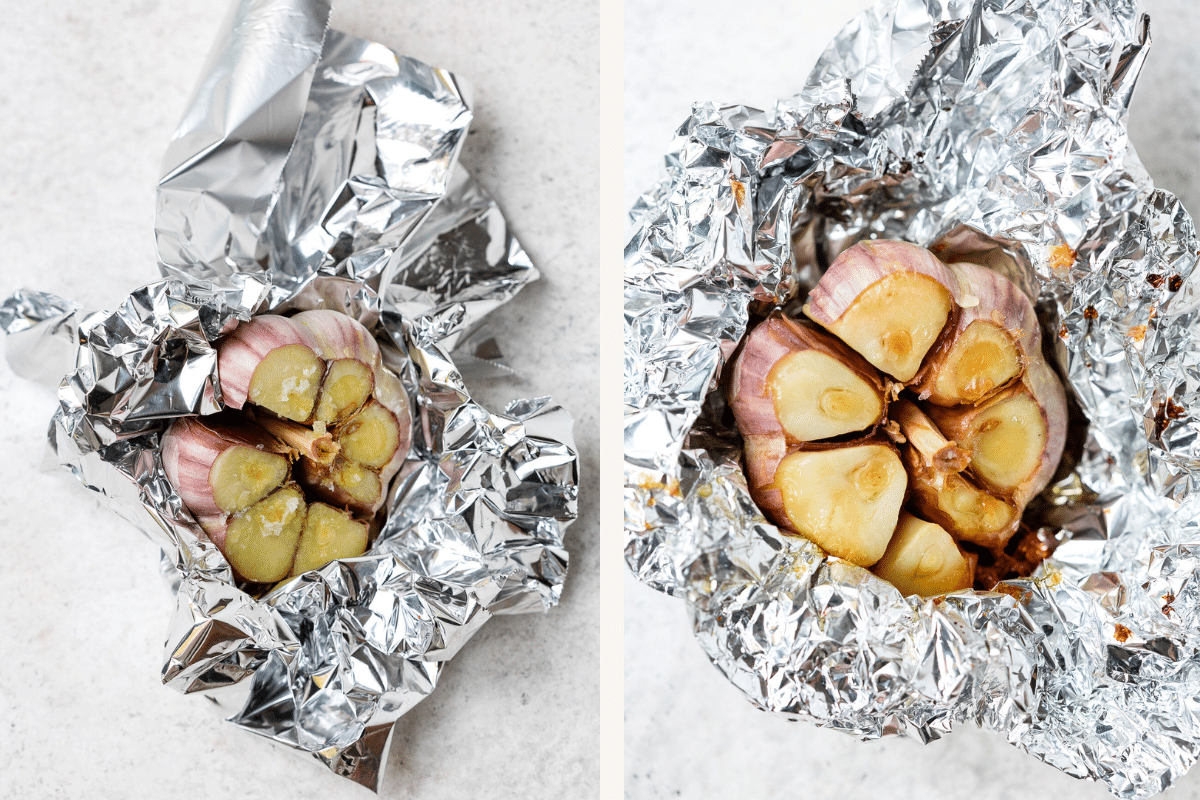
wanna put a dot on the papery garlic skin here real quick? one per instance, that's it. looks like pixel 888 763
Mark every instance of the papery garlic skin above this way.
pixel 336 338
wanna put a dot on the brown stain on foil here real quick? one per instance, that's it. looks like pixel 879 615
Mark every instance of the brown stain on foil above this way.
pixel 650 485
pixel 1138 334
pixel 1020 595
pixel 1155 280
pixel 1165 414
pixel 739 191
pixel 1167 608
pixel 1121 634
pixel 1062 258
pixel 1052 580
pixel 1175 283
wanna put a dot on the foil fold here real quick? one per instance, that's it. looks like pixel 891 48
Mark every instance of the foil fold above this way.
pixel 314 169
pixel 990 131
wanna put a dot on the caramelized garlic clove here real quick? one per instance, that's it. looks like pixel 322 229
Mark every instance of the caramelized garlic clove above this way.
pixel 794 380
pixel 845 499
pixel 923 559
pixel 889 301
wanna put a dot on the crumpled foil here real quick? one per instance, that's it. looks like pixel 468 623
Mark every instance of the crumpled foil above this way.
pixel 316 169
pixel 996 130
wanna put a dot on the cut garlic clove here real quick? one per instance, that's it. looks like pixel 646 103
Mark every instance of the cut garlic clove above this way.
pixel 329 534
pixel 980 360
pixel 347 387
pixel 847 500
pixel 940 493
pixel 260 542
pixel 1016 439
pixel 243 475
pixel 203 460
pixel 958 505
pixel 371 437
pixel 271 362
pixel 816 397
pixel 795 380
pixel 995 334
pixel 889 301
pixel 344 483
pixel 922 559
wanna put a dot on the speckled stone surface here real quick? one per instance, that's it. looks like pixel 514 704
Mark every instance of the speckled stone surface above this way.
pixel 90 94
pixel 688 732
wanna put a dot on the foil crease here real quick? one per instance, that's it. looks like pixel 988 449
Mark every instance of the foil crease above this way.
pixel 991 130
pixel 315 169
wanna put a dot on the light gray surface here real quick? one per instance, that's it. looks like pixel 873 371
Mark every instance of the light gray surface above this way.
pixel 90 94
pixel 688 732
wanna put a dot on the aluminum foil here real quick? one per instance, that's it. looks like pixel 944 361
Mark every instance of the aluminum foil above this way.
pixel 994 129
pixel 316 169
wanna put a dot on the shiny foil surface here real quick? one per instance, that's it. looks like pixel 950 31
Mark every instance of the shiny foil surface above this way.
pixel 315 169
pixel 995 130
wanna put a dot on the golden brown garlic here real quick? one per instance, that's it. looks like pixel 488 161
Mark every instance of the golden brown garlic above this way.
pixel 980 426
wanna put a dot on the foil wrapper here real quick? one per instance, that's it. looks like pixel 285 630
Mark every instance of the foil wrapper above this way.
pixel 995 130
pixel 315 169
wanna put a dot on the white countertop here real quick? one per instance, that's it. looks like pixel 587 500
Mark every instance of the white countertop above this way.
pixel 688 732
pixel 91 91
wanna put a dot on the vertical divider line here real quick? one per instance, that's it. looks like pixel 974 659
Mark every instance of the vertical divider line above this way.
pixel 612 215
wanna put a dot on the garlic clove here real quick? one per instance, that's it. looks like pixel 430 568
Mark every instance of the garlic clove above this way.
pixel 191 448
pixel 995 334
pixel 371 437
pixel 795 380
pixel 889 301
pixel 242 475
pixel 845 499
pixel 962 508
pixel 272 362
pixel 329 534
pixel 261 541
pixel 347 387
pixel 1016 438
pixel 922 559
pixel 343 483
